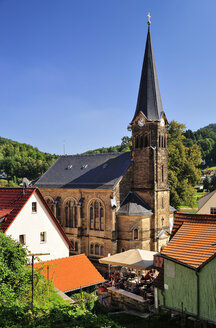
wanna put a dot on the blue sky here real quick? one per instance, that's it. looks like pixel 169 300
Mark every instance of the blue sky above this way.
pixel 70 69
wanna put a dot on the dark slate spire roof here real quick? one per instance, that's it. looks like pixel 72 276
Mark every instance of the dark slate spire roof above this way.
pixel 91 171
pixel 133 205
pixel 149 99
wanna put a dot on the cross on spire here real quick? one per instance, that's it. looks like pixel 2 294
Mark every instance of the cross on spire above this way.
pixel 149 16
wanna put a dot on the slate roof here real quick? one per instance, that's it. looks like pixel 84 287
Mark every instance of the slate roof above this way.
pixel 204 199
pixel 12 200
pixel 71 273
pixel 149 99
pixel 133 205
pixel 90 171
pixel 193 244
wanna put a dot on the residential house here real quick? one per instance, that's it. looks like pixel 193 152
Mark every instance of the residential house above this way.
pixel 187 282
pixel 207 203
pixel 26 217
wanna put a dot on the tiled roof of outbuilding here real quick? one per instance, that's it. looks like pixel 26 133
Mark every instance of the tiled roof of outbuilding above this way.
pixel 90 171
pixel 193 244
pixel 133 205
pixel 180 218
pixel 71 273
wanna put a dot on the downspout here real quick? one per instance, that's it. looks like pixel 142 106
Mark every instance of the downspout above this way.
pixel 198 295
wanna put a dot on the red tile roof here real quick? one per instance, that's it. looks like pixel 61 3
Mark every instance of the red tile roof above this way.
pixel 12 200
pixel 180 218
pixel 71 273
pixel 4 212
pixel 194 244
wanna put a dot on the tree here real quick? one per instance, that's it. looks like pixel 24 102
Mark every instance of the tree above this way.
pixel 14 272
pixel 183 166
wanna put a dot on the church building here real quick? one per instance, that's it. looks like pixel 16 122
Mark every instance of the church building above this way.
pixel 109 203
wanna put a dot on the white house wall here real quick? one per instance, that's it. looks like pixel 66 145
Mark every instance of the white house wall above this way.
pixel 32 224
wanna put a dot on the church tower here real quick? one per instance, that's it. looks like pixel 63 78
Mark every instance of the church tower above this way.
pixel 149 146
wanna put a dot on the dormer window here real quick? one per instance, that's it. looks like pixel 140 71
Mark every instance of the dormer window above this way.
pixel 34 207
pixel 84 166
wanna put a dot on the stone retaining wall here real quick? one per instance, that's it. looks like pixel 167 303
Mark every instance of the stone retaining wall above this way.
pixel 123 300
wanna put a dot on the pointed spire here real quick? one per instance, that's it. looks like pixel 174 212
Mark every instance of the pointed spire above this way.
pixel 149 99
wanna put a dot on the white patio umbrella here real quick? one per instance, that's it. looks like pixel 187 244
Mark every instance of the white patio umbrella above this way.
pixel 134 258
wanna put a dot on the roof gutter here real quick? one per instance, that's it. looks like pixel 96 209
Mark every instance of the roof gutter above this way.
pixel 96 283
pixel 179 262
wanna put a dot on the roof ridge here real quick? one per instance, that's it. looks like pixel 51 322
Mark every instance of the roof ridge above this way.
pixel 62 258
pixel 94 154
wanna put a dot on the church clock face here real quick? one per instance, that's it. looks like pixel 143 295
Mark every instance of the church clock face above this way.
pixel 162 122
pixel 141 122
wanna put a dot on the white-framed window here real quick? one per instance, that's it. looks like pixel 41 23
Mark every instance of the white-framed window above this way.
pixel 22 239
pixel 43 237
pixel 34 207
pixel 213 210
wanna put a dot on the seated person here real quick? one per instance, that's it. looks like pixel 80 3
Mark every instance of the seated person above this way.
pixel 120 284
pixel 148 275
pixel 136 290
pixel 132 274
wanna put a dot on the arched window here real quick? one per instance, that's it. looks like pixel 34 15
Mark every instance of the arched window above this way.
pixel 135 234
pixel 102 250
pixel 141 142
pixel 146 140
pixel 162 202
pixel 91 249
pixel 96 215
pixel 96 249
pixel 71 214
pixel 137 142
pixel 91 218
pixel 163 141
pixel 101 219
pixel 162 173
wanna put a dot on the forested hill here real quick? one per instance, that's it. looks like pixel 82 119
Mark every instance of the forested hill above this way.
pixel 20 160
pixel 204 137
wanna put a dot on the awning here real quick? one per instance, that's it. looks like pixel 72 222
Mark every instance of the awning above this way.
pixel 134 258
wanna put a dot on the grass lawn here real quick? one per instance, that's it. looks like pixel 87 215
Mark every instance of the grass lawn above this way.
pixel 130 321
pixel 186 208
pixel 210 168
